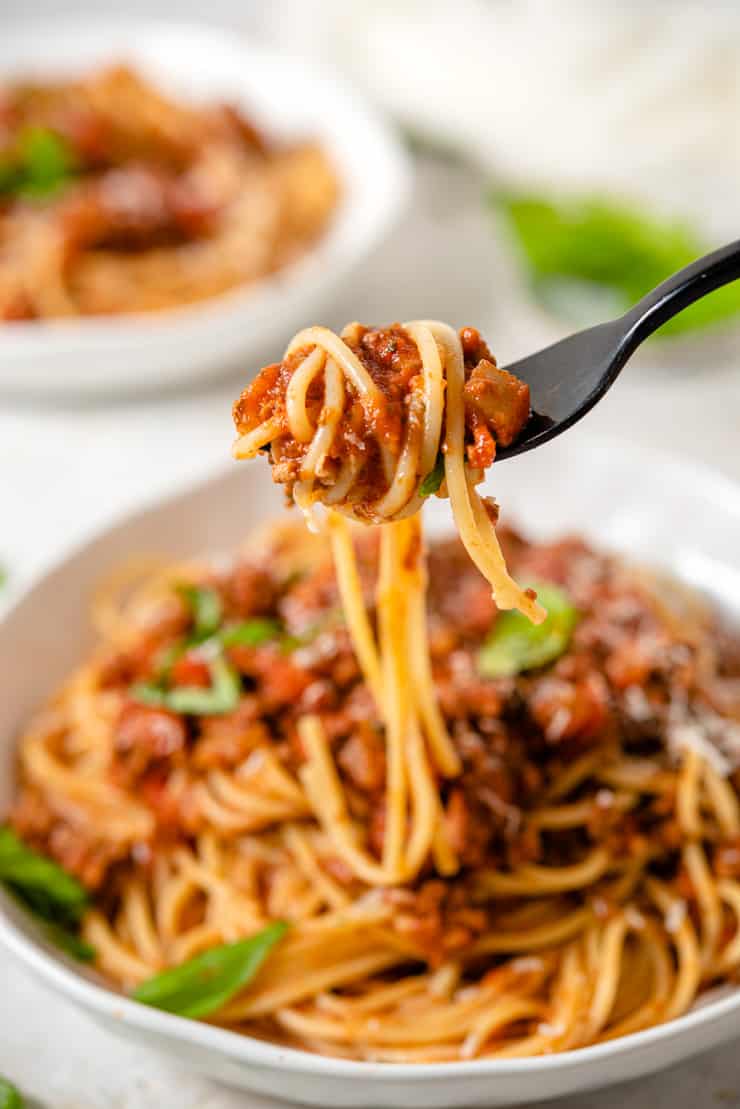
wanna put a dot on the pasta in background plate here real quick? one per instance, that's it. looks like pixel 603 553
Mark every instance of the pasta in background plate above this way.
pixel 116 198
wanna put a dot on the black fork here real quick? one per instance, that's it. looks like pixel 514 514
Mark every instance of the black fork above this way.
pixel 569 377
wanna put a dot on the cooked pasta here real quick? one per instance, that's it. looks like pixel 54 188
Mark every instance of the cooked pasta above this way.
pixel 116 198
pixel 587 882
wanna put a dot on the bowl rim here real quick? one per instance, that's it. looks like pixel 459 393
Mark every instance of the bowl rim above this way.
pixel 52 967
pixel 334 245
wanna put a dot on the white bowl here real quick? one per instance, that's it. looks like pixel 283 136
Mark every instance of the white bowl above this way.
pixel 114 354
pixel 651 506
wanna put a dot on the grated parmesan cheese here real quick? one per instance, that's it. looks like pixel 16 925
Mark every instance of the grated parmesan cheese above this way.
pixel 675 916
pixel 715 739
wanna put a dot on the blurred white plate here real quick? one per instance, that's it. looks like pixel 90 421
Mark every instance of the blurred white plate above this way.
pixel 631 499
pixel 289 99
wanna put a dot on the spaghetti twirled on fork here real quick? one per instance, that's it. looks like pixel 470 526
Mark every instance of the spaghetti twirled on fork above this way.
pixel 347 427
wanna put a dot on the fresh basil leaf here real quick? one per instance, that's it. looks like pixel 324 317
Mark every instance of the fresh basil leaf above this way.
pixel 167 658
pixel 10 176
pixel 69 942
pixel 617 249
pixel 205 608
pixel 206 612
pixel 515 644
pixel 10 1097
pixel 250 633
pixel 205 983
pixel 48 889
pixel 46 161
pixel 149 693
pixel 221 697
pixel 434 478
pixel 253 633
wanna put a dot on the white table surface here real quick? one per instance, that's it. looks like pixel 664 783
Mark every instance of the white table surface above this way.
pixel 64 472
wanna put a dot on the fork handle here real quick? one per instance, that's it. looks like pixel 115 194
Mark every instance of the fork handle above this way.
pixel 679 291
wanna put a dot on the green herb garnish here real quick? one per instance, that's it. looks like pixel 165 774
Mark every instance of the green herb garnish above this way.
pixel 69 942
pixel 205 609
pixel 39 879
pixel 434 478
pixel 515 644
pixel 9 175
pixel 10 1097
pixel 220 697
pixel 212 639
pixel 40 163
pixel 166 659
pixel 206 982
pixel 596 249
pixel 55 897
pixel 250 633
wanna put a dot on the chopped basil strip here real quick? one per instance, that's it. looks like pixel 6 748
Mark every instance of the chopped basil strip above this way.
pixel 41 882
pixel 211 638
pixel 515 644
pixel 221 697
pixel 8 176
pixel 39 165
pixel 205 983
pixel 69 942
pixel 205 608
pixel 250 633
pixel 55 897
pixel 434 478
pixel 167 658
pixel 593 257
pixel 10 1098
pixel 206 611
pixel 47 160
